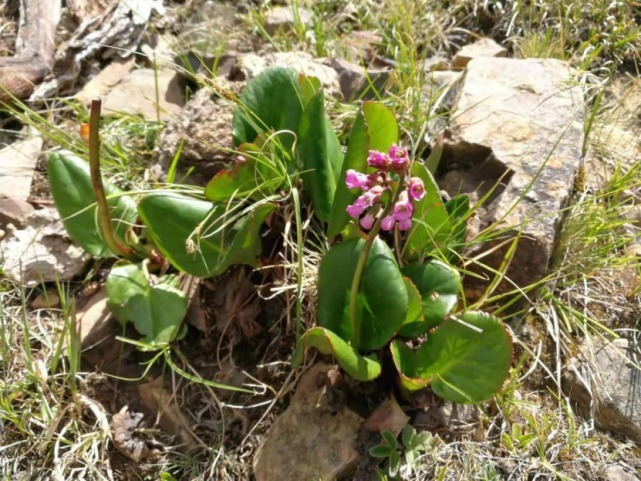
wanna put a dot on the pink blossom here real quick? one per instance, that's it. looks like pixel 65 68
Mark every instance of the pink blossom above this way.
pixel 403 209
pixel 356 209
pixel 356 180
pixel 399 157
pixel 387 222
pixel 378 160
pixel 367 221
pixel 416 188
pixel 405 224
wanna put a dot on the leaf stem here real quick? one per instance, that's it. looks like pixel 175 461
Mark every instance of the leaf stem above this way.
pixel 104 216
pixel 360 267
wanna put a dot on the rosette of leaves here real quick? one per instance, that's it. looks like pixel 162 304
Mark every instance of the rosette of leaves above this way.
pixel 463 357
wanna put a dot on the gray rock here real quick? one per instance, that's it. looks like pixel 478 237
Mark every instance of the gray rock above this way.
pixel 249 65
pixel 107 79
pixel 14 211
pixel 361 45
pixel 358 82
pixel 204 129
pixel 484 47
pixel 286 18
pixel 605 383
pixel 517 134
pixel 137 94
pixel 41 252
pixel 17 164
pixel 313 438
pixel 619 473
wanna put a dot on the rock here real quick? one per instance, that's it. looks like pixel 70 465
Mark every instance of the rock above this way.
pixel 137 94
pixel 41 252
pixel 107 79
pixel 605 383
pixel 48 300
pixel 361 45
pixel 356 82
pixel 14 211
pixel 450 416
pixel 619 473
pixel 128 437
pixel 249 65
pixel 3 234
pixel 517 126
pixel 632 215
pixel 17 163
pixel 167 413
pixel 203 128
pixel 485 47
pixel 286 19
pixel 388 416
pixel 313 438
pixel 83 10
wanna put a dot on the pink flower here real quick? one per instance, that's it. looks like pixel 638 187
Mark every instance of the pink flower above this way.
pixel 356 209
pixel 356 180
pixel 399 157
pixel 387 222
pixel 378 160
pixel 403 209
pixel 367 222
pixel 405 224
pixel 416 188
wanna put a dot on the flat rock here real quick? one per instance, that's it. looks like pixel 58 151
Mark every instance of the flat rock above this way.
pixel 617 472
pixel 312 439
pixel 517 125
pixel 17 163
pixel 107 79
pixel 204 130
pixel 358 82
pixel 14 211
pixel 137 95
pixel 41 252
pixel 605 383
pixel 249 65
pixel 286 18
pixel 484 47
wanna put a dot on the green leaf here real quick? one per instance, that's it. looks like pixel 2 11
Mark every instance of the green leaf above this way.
pixel 457 208
pixel 156 308
pixel 414 316
pixel 270 101
pixel 361 368
pixel 468 357
pixel 434 159
pixel 382 300
pixel 199 238
pixel 431 226
pixel 256 178
pixel 439 286
pixel 375 128
pixel 405 362
pixel 74 196
pixel 320 156
pixel 380 451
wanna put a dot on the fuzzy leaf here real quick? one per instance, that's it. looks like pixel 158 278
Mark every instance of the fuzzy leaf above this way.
pixel 439 286
pixel 361 368
pixel 375 128
pixel 382 300
pixel 156 309
pixel 172 220
pixel 75 200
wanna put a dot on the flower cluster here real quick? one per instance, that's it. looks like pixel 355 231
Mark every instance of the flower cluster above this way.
pixel 369 203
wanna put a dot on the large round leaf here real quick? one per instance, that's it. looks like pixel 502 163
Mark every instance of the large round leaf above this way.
pixel 187 232
pixel 439 286
pixel 382 299
pixel 270 101
pixel 405 362
pixel 156 308
pixel 75 200
pixel 467 358
pixel 361 368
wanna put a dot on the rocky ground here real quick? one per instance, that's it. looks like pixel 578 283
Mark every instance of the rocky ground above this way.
pixel 541 131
